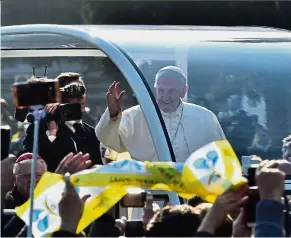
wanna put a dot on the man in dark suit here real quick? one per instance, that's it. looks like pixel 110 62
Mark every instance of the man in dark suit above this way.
pixel 238 126
pixel 57 139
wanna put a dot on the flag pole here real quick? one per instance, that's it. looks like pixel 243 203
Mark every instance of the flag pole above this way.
pixel 38 113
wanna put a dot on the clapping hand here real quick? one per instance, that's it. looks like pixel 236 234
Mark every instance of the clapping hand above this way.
pixel 74 163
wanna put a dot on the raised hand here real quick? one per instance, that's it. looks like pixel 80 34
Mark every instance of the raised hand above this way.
pixel 121 224
pixel 74 163
pixel 270 180
pixel 51 108
pixel 239 227
pixel 71 207
pixel 223 205
pixel 113 99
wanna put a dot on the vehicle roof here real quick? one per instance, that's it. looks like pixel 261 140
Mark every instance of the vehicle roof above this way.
pixel 142 36
pixel 148 33
pixel 183 27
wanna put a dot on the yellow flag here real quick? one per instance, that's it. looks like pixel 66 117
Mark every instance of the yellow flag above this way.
pixel 208 172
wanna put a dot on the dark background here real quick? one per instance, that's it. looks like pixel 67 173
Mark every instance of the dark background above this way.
pixel 228 13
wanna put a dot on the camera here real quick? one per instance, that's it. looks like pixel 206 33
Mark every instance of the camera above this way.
pixel 73 90
pixel 38 91
pixel 64 112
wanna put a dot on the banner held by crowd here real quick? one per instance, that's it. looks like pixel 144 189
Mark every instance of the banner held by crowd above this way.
pixel 208 172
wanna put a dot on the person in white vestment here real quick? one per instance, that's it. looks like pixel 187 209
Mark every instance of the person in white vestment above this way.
pixel 189 126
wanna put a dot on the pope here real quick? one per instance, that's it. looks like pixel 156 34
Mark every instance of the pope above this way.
pixel 189 126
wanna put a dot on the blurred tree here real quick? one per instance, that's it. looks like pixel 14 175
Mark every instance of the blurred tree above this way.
pixel 228 13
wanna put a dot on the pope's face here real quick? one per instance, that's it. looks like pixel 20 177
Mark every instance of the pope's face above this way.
pixel 169 92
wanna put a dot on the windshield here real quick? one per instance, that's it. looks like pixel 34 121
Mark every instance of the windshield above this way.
pixel 246 85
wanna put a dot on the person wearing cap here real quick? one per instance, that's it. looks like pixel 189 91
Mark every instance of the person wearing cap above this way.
pixel 20 191
pixel 22 172
pixel 189 126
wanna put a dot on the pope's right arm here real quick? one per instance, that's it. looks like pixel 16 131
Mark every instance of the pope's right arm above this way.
pixel 112 132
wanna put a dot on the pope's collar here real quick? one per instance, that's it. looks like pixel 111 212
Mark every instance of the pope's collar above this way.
pixel 176 113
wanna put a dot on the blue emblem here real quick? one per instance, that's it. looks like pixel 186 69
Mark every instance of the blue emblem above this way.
pixel 213 157
pixel 36 214
pixel 120 164
pixel 201 164
pixel 138 166
pixel 42 225
pixel 124 163
pixel 213 178
pixel 128 164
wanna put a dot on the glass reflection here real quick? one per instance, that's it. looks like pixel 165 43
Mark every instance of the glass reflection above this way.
pixel 246 86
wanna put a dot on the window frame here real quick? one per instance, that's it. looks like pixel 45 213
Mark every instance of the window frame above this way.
pixel 128 69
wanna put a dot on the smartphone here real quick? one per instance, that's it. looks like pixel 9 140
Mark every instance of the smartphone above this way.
pixel 36 92
pixel 250 207
pixel 251 175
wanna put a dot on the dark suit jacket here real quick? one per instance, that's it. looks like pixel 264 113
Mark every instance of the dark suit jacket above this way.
pixel 54 152
pixel 12 225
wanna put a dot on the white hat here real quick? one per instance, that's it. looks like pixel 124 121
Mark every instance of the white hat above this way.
pixel 171 69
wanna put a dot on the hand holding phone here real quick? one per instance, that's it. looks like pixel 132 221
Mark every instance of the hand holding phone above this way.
pixel 239 227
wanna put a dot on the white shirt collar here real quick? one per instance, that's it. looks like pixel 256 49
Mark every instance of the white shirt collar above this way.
pixel 71 123
pixel 176 113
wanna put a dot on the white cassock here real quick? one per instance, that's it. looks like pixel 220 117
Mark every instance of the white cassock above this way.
pixel 189 127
